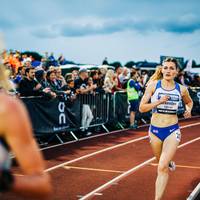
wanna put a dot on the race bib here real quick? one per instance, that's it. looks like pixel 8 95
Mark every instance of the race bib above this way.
pixel 170 106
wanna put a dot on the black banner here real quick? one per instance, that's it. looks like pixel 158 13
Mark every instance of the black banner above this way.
pixel 52 116
pixel 195 95
pixel 122 109
pixel 121 106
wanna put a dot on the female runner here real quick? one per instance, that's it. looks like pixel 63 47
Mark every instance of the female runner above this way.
pixel 165 95
pixel 16 136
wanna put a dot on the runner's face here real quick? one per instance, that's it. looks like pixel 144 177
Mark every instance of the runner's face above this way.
pixel 169 70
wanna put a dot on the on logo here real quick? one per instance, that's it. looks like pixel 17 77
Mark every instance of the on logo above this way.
pixel 62 117
pixel 198 95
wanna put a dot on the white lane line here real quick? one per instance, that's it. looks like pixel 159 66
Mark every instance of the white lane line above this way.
pixel 194 193
pixel 93 169
pixel 106 185
pixel 116 179
pixel 190 125
pixel 18 174
pixel 107 149
pixel 178 166
pixel 95 153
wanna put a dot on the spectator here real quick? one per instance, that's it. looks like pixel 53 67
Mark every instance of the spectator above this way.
pixel 41 78
pixel 62 60
pixel 74 74
pixel 101 77
pixel 102 71
pixel 124 77
pixel 54 85
pixel 96 80
pixel 118 71
pixel 14 62
pixel 25 59
pixel 196 81
pixel 105 61
pixel 183 78
pixel 87 115
pixel 52 61
pixel 28 64
pixel 90 84
pixel 68 76
pixel 133 86
pixel 70 85
pixel 59 77
pixel 19 76
pixel 110 82
pixel 81 86
pixel 81 82
pixel 145 77
pixel 94 75
pixel 28 86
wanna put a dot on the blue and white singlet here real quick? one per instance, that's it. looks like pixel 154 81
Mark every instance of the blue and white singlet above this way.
pixel 171 105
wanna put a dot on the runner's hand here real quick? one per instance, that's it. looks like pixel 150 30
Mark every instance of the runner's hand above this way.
pixel 187 114
pixel 163 99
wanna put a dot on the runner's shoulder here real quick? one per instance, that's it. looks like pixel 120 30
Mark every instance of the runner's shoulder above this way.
pixel 8 104
pixel 183 89
pixel 152 85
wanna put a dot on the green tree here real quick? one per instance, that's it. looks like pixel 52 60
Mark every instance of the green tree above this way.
pixel 116 64
pixel 130 64
pixel 34 54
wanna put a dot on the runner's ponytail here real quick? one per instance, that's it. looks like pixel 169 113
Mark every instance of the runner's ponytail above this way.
pixel 157 75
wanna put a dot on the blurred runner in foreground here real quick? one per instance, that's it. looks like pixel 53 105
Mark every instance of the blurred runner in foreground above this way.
pixel 16 136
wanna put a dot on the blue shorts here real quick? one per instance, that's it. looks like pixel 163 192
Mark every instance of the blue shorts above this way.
pixel 134 105
pixel 164 132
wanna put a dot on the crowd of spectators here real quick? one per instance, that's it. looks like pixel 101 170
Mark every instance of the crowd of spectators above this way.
pixel 31 77
pixel 44 77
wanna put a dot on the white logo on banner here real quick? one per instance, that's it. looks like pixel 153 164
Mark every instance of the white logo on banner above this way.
pixel 198 95
pixel 62 117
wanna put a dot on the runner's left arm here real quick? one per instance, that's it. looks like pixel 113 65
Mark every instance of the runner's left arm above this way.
pixel 188 102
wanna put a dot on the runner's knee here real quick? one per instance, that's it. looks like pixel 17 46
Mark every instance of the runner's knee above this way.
pixel 163 167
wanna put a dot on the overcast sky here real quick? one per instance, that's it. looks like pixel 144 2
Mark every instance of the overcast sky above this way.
pixel 86 31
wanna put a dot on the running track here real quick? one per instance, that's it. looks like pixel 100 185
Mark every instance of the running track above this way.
pixel 120 166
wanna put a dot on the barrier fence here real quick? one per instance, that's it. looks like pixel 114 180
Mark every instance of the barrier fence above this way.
pixel 50 117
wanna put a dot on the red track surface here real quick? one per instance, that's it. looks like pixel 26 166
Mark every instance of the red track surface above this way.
pixel 83 176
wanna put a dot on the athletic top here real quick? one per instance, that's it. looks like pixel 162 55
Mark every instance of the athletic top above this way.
pixel 5 160
pixel 171 105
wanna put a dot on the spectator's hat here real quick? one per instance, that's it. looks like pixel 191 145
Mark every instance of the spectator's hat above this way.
pixel 82 70
pixel 134 67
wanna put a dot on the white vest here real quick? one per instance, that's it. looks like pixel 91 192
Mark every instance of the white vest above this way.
pixel 171 105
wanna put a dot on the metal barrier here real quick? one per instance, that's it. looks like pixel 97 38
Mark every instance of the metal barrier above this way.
pixel 124 108
pixel 94 110
pixel 53 118
pixel 121 109
pixel 57 116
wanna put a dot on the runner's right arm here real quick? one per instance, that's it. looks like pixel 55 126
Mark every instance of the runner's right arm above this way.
pixel 145 106
pixel 15 127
